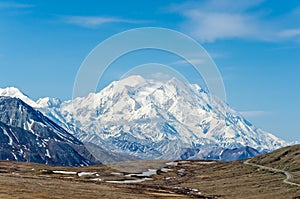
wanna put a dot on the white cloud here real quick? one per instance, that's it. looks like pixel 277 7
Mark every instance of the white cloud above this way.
pixel 95 21
pixel 290 33
pixel 209 27
pixel 183 62
pixel 212 20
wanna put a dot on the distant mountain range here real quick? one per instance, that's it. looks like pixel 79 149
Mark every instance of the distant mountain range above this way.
pixel 148 119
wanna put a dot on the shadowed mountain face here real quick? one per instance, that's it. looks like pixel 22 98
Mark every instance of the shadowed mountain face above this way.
pixel 27 135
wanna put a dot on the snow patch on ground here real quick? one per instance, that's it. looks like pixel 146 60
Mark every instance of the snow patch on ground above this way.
pixel 96 179
pixel 166 170
pixel 116 173
pixel 148 173
pixel 129 181
pixel 65 172
pixel 172 164
pixel 206 162
pixel 80 174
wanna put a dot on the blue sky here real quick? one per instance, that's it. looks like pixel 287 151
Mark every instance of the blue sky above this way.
pixel 255 44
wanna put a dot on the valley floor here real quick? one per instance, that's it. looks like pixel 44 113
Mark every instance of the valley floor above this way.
pixel 187 179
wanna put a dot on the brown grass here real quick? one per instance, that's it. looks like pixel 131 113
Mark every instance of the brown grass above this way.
pixel 287 158
pixel 220 180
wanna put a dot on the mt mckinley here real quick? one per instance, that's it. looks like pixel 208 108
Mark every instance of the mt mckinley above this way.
pixel 149 119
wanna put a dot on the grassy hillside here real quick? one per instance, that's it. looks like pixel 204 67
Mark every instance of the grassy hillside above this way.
pixel 189 179
pixel 287 158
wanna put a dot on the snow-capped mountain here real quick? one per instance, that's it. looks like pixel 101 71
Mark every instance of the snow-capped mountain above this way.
pixel 162 120
pixel 152 119
pixel 27 135
pixel 14 92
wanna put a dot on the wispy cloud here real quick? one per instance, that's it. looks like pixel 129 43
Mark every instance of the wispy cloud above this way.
pixel 212 20
pixel 255 113
pixel 290 33
pixel 182 62
pixel 12 5
pixel 95 21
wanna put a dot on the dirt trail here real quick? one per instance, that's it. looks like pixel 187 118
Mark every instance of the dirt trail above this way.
pixel 289 176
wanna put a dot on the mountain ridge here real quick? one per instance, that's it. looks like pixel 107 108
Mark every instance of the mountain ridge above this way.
pixel 149 119
pixel 28 135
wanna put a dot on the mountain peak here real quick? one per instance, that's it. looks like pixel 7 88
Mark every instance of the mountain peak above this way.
pixel 48 102
pixel 175 80
pixel 133 80
pixel 10 91
pixel 16 93
pixel 153 118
